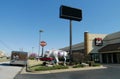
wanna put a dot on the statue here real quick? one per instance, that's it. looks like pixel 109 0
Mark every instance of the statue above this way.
pixel 56 54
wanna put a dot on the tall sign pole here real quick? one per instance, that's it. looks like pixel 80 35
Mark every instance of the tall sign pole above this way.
pixel 40 31
pixel 70 48
pixel 70 14
pixel 43 43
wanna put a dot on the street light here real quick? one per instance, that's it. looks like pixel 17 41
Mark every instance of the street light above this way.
pixel 32 49
pixel 40 31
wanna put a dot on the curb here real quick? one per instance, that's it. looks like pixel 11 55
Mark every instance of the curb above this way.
pixel 61 70
pixel 19 72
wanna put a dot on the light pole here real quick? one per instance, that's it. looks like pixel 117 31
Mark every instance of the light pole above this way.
pixel 40 31
pixel 32 49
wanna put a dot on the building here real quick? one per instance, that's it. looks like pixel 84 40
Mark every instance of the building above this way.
pixel 2 53
pixel 103 48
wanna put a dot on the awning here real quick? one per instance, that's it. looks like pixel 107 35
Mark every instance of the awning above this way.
pixel 81 50
pixel 110 48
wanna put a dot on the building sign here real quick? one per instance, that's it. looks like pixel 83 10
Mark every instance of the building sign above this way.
pixel 43 43
pixel 70 13
pixel 98 41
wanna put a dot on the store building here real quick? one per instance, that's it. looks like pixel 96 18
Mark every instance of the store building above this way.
pixel 103 48
pixel 2 54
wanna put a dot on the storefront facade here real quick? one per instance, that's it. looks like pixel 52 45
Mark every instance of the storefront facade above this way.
pixel 110 53
pixel 103 48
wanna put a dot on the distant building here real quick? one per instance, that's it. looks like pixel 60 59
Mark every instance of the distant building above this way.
pixel 2 53
pixel 103 48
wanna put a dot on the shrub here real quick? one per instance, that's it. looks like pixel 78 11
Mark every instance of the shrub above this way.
pixel 91 63
pixel 32 56
pixel 78 66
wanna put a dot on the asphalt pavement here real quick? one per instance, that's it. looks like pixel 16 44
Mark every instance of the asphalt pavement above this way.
pixel 76 73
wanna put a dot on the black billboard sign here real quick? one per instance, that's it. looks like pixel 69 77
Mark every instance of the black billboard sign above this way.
pixel 70 13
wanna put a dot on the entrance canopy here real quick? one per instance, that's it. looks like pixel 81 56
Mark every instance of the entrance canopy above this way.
pixel 110 48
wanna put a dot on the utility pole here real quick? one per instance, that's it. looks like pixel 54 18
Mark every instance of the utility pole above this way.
pixel 40 31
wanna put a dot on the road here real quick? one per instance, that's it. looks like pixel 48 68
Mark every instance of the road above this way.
pixel 111 72
pixel 7 71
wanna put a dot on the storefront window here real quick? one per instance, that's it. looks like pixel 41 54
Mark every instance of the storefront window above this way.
pixel 95 57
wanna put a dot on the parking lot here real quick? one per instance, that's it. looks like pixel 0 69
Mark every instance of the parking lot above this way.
pixel 111 72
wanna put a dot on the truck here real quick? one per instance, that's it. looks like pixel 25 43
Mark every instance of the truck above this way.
pixel 19 58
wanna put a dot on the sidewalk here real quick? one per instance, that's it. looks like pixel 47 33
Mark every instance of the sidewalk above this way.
pixel 61 70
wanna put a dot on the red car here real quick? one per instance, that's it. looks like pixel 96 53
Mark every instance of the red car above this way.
pixel 46 59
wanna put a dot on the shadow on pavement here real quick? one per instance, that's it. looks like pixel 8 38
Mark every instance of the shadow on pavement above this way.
pixel 8 64
pixel 4 64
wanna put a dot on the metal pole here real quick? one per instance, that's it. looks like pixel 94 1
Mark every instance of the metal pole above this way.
pixel 71 41
pixel 40 31
pixel 42 51
pixel 32 49
pixel 39 45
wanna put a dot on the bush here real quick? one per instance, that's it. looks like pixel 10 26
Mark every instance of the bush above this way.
pixel 32 56
pixel 91 63
pixel 78 66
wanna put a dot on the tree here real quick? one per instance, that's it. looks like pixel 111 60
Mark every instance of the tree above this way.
pixel 32 56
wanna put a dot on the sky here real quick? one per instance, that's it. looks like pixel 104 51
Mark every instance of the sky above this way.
pixel 21 20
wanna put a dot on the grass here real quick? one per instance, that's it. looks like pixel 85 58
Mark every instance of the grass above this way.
pixel 34 62
pixel 81 66
pixel 34 65
pixel 4 59
pixel 44 68
pixel 96 64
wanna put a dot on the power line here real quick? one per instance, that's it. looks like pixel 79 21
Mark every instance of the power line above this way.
pixel 3 43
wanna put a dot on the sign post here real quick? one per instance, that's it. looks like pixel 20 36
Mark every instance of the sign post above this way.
pixel 70 49
pixel 43 43
pixel 70 14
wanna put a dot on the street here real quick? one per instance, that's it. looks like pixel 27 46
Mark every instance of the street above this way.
pixel 111 72
pixel 7 71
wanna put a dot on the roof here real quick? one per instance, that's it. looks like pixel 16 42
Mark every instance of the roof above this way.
pixel 113 36
pixel 78 46
pixel 110 47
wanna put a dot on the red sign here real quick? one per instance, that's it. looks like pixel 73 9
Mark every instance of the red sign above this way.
pixel 43 43
pixel 98 41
